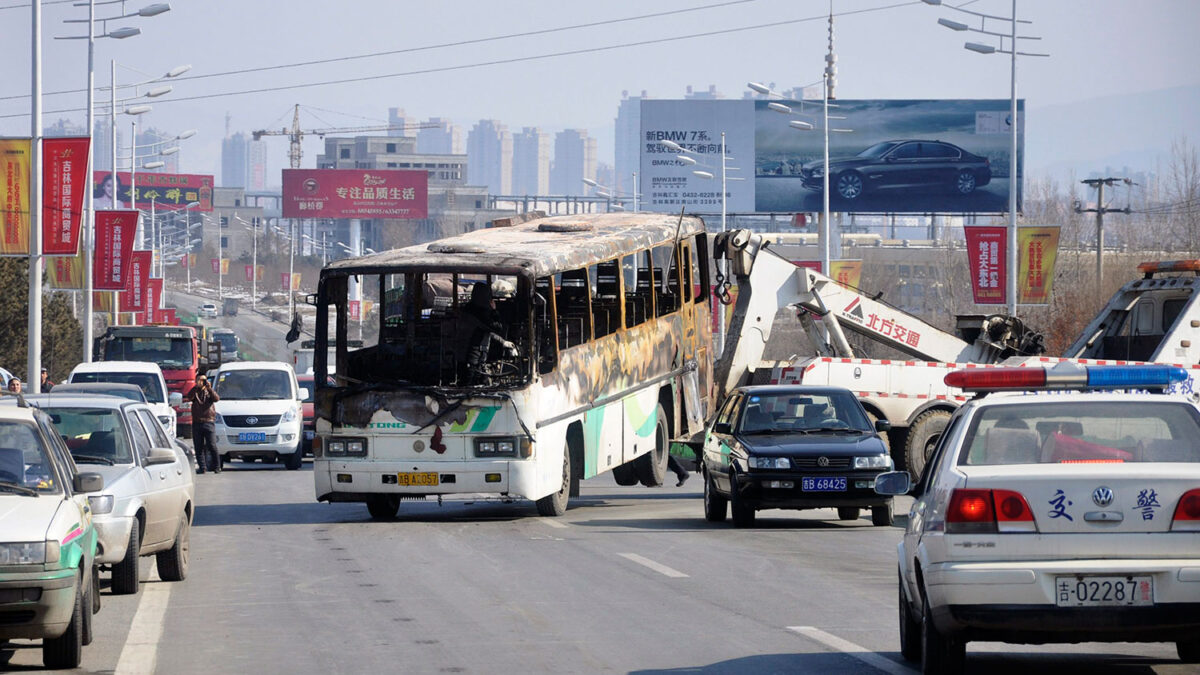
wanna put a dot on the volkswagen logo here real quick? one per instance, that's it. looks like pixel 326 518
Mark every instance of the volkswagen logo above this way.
pixel 251 421
pixel 1102 496
pixel 822 461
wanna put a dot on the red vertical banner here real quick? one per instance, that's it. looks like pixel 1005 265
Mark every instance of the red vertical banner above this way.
pixel 115 232
pixel 168 316
pixel 64 176
pixel 987 253
pixel 216 265
pixel 133 296
pixel 285 280
pixel 154 291
pixel 249 269
pixel 355 310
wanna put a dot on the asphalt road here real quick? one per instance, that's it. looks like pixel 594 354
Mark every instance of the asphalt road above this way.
pixel 260 338
pixel 630 580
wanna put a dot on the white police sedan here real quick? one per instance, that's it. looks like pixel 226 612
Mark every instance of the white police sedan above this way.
pixel 1060 512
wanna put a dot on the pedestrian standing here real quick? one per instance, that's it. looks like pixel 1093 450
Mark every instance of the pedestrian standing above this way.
pixel 47 384
pixel 204 431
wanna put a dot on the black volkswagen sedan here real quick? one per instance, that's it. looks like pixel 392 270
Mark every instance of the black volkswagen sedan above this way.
pixel 915 165
pixel 793 447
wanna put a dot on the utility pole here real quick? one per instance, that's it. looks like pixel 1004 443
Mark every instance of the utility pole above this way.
pixel 1100 210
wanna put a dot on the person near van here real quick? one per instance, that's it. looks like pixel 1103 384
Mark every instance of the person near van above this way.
pixel 47 384
pixel 204 432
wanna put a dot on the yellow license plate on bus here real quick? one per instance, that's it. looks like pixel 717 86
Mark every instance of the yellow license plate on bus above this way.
pixel 423 478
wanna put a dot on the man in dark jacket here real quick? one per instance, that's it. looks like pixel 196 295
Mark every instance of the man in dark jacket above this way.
pixel 204 431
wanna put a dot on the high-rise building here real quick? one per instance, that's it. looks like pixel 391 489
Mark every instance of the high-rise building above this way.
pixel 489 156
pixel 257 179
pixel 627 142
pixel 102 144
pixel 574 160
pixel 402 125
pixel 440 136
pixel 531 162
pixel 233 161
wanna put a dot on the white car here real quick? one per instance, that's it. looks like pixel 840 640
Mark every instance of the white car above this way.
pixel 144 374
pixel 1068 516
pixel 259 415
pixel 146 505
pixel 208 310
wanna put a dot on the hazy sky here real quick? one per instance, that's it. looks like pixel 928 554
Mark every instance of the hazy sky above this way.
pixel 885 48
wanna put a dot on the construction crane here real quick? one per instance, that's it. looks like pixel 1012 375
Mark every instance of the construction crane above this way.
pixel 296 134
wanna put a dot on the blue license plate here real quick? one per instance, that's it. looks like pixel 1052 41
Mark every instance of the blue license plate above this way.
pixel 308 435
pixel 253 437
pixel 823 484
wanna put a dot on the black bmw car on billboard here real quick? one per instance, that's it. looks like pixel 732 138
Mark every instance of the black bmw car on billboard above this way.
pixel 915 165
pixel 793 447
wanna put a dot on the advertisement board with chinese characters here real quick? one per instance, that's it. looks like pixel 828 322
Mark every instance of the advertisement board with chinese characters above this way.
pixel 885 156
pixel 355 193
pixel 166 191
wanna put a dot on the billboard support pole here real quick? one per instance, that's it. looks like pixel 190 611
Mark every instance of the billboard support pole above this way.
pixel 34 357
pixel 1012 175
pixel 89 206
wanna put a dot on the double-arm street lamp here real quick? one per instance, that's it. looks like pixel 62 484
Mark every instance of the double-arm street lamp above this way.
pixel 981 48
pixel 613 196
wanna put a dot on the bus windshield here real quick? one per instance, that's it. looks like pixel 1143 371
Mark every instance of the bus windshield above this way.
pixel 168 353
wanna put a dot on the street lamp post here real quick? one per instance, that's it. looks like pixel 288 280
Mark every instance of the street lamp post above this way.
pixel 980 48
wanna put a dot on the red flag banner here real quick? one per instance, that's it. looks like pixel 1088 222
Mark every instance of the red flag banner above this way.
pixel 64 176
pixel 168 316
pixel 154 291
pixel 355 307
pixel 987 253
pixel 285 280
pixel 133 297
pixel 115 232
pixel 249 269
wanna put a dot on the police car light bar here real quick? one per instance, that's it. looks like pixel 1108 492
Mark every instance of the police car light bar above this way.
pixel 1066 376
pixel 1150 268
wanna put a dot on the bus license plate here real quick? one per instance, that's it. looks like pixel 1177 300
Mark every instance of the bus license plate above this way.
pixel 251 436
pixel 823 484
pixel 424 478
pixel 1095 591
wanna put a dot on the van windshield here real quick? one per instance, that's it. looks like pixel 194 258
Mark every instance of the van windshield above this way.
pixel 240 385
pixel 149 383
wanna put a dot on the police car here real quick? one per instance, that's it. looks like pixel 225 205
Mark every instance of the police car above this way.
pixel 1059 510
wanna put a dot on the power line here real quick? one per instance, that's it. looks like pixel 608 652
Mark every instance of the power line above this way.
pixel 28 4
pixel 496 62
pixel 410 50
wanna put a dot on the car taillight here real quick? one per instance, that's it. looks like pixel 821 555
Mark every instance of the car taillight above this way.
pixel 1187 512
pixel 974 511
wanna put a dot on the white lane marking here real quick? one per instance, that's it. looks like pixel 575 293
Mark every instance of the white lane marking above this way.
pixel 657 567
pixel 140 653
pixel 850 649
pixel 554 523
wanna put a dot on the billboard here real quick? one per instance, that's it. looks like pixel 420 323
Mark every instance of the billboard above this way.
pixel 885 156
pixel 167 191
pixel 355 193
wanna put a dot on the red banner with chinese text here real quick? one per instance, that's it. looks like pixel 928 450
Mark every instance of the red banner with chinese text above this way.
pixel 133 296
pixel 987 253
pixel 154 291
pixel 167 315
pixel 64 179
pixel 115 231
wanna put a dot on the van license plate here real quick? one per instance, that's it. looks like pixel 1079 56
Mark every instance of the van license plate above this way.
pixel 251 437
pixel 423 478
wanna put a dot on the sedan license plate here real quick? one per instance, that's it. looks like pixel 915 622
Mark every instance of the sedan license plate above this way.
pixel 823 484
pixel 424 478
pixel 251 436
pixel 1096 591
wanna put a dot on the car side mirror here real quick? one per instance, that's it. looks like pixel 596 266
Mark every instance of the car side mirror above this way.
pixel 303 394
pixel 87 482
pixel 882 425
pixel 175 399
pixel 722 428
pixel 893 483
pixel 160 456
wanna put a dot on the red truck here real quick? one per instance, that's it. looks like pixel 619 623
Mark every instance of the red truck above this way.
pixel 177 350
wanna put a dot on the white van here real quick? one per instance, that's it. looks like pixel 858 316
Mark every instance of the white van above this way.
pixel 144 374
pixel 259 413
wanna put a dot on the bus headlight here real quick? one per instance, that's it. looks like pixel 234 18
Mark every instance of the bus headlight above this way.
pixel 501 447
pixel 345 447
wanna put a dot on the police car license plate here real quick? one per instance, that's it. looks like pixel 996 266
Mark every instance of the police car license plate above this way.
pixel 1097 591
pixel 823 484
pixel 251 436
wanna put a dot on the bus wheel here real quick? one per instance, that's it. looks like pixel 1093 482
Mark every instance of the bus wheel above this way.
pixel 556 504
pixel 383 507
pixel 652 466
pixel 923 436
pixel 626 474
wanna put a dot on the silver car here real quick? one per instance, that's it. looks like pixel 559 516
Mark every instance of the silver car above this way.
pixel 147 503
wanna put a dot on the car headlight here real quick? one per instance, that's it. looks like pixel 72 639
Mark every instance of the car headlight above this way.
pixel 289 416
pixel 873 462
pixel 24 553
pixel 220 420
pixel 101 504
pixel 818 172
pixel 770 463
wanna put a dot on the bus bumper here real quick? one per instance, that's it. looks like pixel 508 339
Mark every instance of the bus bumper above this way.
pixel 352 481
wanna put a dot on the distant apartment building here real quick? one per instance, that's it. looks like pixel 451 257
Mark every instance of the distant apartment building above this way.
pixel 806 93
pixel 440 136
pixel 490 156
pixel 257 176
pixel 574 160
pixel 531 162
pixel 709 94
pixel 234 161
pixel 402 125
pixel 627 141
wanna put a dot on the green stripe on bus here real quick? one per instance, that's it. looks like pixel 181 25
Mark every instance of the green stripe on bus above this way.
pixel 642 422
pixel 593 430
pixel 484 419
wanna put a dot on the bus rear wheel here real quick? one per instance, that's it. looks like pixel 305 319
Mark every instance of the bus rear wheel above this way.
pixel 383 507
pixel 652 466
pixel 555 504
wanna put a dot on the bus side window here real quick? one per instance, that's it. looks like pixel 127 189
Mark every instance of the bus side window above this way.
pixel 644 289
pixel 574 314
pixel 606 298
pixel 686 291
pixel 699 249
pixel 544 325
pixel 667 300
